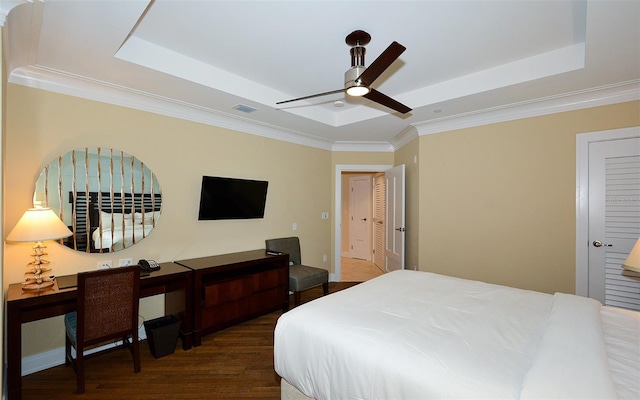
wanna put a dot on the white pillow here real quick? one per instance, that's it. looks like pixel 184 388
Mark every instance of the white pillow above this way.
pixel 117 219
pixel 149 218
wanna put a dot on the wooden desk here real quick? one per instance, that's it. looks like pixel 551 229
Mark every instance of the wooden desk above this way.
pixel 236 287
pixel 174 280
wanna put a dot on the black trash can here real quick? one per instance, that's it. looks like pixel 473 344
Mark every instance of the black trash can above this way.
pixel 162 335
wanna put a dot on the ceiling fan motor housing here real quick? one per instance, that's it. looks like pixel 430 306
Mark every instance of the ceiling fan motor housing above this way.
pixel 351 81
pixel 351 75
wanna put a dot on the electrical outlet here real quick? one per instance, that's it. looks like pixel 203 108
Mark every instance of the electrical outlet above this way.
pixel 105 264
pixel 125 262
pixel 325 215
pixel 324 258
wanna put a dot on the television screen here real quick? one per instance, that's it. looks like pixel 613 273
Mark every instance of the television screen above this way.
pixel 231 198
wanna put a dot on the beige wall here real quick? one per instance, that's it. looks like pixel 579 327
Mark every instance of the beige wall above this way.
pixel 41 125
pixel 497 202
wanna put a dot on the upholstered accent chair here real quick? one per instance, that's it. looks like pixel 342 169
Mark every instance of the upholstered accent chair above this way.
pixel 301 277
pixel 107 310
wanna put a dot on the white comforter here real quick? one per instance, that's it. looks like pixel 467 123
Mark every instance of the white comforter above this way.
pixel 417 335
pixel 119 238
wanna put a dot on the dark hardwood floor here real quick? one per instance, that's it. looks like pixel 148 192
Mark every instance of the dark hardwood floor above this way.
pixel 235 363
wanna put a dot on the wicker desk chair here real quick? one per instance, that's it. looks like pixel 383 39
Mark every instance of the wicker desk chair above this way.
pixel 107 310
pixel 301 277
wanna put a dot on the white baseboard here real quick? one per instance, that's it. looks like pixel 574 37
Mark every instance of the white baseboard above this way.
pixel 55 357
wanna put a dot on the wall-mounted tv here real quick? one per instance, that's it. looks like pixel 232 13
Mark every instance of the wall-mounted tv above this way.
pixel 231 198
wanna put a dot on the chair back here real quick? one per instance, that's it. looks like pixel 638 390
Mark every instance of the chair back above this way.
pixel 107 304
pixel 289 245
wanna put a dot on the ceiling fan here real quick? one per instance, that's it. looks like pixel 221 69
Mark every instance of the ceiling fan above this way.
pixel 358 79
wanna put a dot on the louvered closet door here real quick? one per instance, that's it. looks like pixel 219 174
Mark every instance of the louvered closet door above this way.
pixel 614 220
pixel 379 226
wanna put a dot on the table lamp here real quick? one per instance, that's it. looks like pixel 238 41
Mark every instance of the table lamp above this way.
pixel 37 225
pixel 632 263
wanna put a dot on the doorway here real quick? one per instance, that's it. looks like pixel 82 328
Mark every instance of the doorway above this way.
pixel 339 208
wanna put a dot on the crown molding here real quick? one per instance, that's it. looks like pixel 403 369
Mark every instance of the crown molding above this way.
pixel 606 95
pixel 7 5
pixel 77 86
pixel 404 137
pixel 366 147
pixel 56 81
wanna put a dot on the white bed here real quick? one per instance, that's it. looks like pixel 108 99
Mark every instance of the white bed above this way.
pixel 118 231
pixel 417 335
pixel 118 238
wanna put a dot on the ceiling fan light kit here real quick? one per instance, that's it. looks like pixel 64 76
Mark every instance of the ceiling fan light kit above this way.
pixel 358 91
pixel 358 79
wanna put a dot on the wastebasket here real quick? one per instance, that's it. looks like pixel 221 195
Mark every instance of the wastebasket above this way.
pixel 162 335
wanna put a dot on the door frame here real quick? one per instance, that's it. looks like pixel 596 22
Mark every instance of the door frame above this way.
pixel 582 197
pixel 337 213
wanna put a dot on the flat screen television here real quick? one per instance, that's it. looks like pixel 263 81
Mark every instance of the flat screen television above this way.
pixel 231 198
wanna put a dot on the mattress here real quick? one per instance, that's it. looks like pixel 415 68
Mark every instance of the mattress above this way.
pixel 410 334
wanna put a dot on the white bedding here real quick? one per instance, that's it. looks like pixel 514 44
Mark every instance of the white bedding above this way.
pixel 622 339
pixel 416 335
pixel 119 238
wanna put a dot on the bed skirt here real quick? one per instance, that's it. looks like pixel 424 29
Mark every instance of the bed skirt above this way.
pixel 288 392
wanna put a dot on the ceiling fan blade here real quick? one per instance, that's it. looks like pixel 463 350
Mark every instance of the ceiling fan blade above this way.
pixel 381 63
pixel 313 95
pixel 386 101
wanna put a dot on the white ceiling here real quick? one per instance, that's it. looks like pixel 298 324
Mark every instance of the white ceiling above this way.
pixel 465 60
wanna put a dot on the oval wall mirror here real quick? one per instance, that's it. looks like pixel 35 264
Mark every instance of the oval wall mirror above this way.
pixel 109 199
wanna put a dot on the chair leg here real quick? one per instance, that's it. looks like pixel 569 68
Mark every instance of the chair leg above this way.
pixel 296 298
pixel 67 350
pixel 325 288
pixel 136 354
pixel 80 370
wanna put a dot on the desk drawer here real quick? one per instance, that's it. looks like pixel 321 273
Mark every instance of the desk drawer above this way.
pixel 226 291
pixel 224 315
pixel 270 279
pixel 268 300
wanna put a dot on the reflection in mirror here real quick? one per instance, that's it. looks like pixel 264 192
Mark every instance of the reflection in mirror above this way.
pixel 109 199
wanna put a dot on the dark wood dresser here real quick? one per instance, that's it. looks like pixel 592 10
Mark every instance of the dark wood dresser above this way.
pixel 236 287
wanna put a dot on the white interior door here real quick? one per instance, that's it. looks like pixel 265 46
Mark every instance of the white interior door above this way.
pixel 360 217
pixel 614 221
pixel 395 218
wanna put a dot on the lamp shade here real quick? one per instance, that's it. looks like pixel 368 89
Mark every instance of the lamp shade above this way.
pixel 38 224
pixel 632 263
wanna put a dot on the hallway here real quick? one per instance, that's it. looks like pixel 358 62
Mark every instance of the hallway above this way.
pixel 356 270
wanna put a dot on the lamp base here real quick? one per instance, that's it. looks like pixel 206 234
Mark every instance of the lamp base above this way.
pixel 35 279
pixel 38 286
